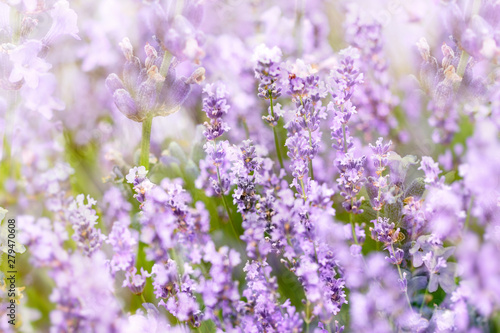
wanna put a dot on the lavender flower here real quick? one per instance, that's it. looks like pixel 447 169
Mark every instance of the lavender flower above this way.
pixel 380 161
pixel 215 106
pixel 138 95
pixel 431 170
pixel 262 307
pixel 302 223
pixel 267 71
pixel 124 247
pixel 428 250
pixel 384 231
pixel 83 219
pixel 350 182
pixel 135 282
pixel 214 177
pixel 27 65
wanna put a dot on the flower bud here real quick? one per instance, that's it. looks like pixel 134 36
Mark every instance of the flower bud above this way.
pixel 126 104
pixel 197 77
pixel 127 49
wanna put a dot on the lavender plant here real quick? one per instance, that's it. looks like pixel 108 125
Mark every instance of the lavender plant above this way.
pixel 299 166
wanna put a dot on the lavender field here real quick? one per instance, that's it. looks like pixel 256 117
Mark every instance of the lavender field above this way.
pixel 249 166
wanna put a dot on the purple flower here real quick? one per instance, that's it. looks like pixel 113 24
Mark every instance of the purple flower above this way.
pixel 142 185
pixel 262 302
pixel 350 181
pixel 137 95
pixel 153 321
pixel 441 272
pixel 27 64
pixel 135 282
pixel 345 78
pixel 63 22
pixel 267 71
pixel 219 291
pixel 380 153
pixel 431 170
pixel 414 217
pixel 215 106
pixel 83 219
pixel 177 33
pixel 384 231
pixel 428 250
pixel 124 246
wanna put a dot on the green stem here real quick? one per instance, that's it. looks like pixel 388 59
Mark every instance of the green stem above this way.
pixel 178 261
pixel 143 299
pixel 303 189
pixel 276 142
pixel 146 137
pixel 311 168
pixel 307 319
pixel 423 300
pixel 401 277
pixel 353 229
pixel 165 64
pixel 146 124
pixel 245 126
pixel 226 207
pixel 462 65
pixel 229 215
pixel 310 143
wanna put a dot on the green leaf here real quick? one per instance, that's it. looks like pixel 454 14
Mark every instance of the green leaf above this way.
pixel 416 188
pixel 208 326
pixel 191 170
pixel 450 177
pixel 176 151
pixel 394 211
pixel 197 151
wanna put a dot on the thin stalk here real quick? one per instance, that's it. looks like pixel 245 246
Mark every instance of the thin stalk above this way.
pixel 423 300
pixel 224 198
pixel 401 277
pixel 245 126
pixel 353 229
pixel 303 189
pixel 311 168
pixel 462 64
pixel 143 299
pixel 310 144
pixel 146 138
pixel 146 124
pixel 276 142
pixel 226 207
pixel 165 64
pixel 178 260
pixel 307 319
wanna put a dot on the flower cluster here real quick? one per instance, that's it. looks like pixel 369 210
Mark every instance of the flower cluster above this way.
pixel 148 90
pixel 327 177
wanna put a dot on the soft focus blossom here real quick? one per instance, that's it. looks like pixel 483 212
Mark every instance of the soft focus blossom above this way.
pixel 337 171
